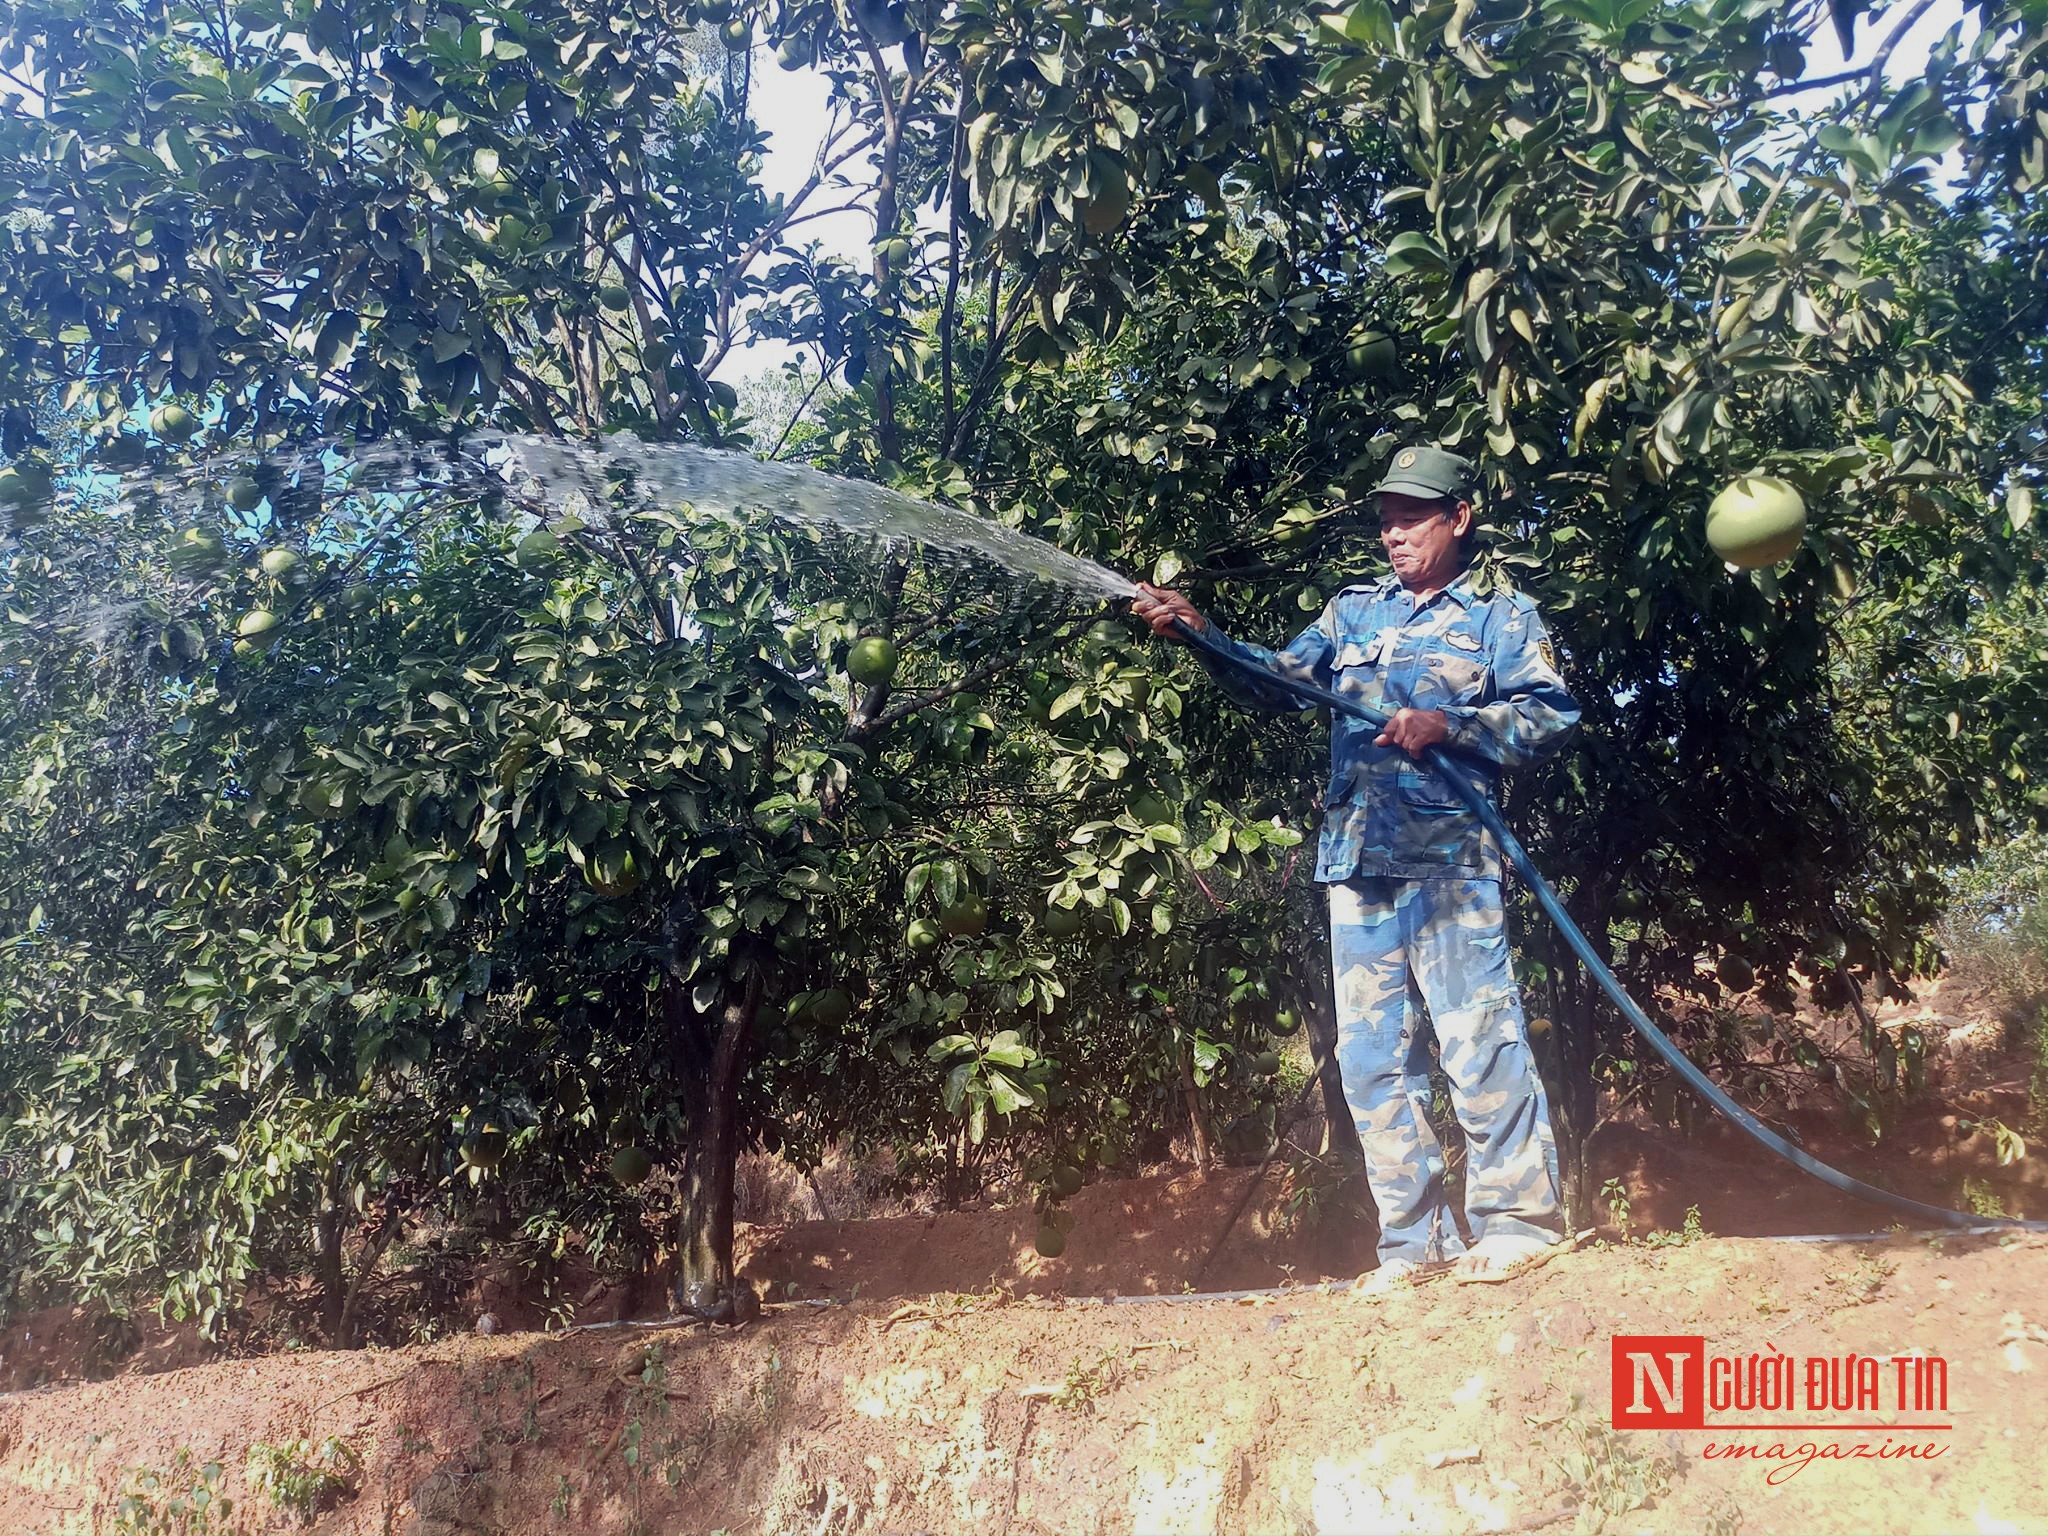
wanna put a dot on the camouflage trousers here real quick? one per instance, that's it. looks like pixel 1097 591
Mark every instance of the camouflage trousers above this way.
pixel 1446 940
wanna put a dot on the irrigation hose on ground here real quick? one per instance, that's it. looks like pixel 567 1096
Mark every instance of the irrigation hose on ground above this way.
pixel 1476 798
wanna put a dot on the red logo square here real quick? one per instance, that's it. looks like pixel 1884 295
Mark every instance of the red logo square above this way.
pixel 1658 1381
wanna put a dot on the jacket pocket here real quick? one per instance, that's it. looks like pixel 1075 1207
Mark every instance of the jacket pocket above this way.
pixel 1425 788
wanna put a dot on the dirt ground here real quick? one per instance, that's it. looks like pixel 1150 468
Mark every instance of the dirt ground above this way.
pixel 1442 1408
pixel 931 1372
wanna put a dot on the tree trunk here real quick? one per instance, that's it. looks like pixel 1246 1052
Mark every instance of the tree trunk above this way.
pixel 1198 1122
pixel 328 1231
pixel 1575 1018
pixel 712 1067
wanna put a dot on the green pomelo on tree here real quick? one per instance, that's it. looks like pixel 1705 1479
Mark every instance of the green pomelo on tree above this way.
pixel 485 1149
pixel 257 621
pixel 1050 1242
pixel 966 917
pixel 1372 354
pixel 922 936
pixel 872 661
pixel 1061 922
pixel 537 549
pixel 830 1008
pixel 244 494
pixel 631 1165
pixel 24 483
pixel 1756 520
pixel 279 562
pixel 613 871
pixel 1736 973
pixel 1285 1021
pixel 173 423
pixel 1066 1180
pixel 614 296
pixel 124 450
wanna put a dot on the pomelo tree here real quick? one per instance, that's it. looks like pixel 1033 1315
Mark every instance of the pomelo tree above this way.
pixel 1164 284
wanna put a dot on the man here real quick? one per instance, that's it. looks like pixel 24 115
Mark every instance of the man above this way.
pixel 1415 878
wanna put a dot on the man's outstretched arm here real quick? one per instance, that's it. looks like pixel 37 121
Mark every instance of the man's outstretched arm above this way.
pixel 1306 657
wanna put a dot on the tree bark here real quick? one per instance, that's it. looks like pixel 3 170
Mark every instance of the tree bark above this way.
pixel 1198 1122
pixel 328 1231
pixel 1575 1022
pixel 712 1052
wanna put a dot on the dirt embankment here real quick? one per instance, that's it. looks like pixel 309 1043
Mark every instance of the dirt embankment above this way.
pixel 1443 1408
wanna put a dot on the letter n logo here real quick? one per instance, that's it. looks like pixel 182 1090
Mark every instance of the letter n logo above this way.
pixel 1659 1381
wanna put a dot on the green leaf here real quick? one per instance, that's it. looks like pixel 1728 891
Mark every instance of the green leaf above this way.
pixel 1413 252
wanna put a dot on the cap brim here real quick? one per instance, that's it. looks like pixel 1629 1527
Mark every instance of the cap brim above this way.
pixel 1402 487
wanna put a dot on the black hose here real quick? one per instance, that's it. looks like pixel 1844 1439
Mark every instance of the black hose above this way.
pixel 1698 1081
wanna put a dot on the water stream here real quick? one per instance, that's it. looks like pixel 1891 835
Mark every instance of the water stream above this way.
pixel 605 483
pixel 665 474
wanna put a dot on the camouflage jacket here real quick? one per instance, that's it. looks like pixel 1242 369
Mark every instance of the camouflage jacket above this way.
pixel 1484 660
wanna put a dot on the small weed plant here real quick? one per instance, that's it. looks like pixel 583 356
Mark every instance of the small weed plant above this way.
pixel 1086 1383
pixel 1684 1237
pixel 185 1500
pixel 303 1479
pixel 1612 1473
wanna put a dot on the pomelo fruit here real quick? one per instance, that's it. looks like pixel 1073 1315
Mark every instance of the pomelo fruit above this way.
pixel 244 494
pixel 537 549
pixel 614 296
pixel 173 423
pixel 1284 1022
pixel 1050 1242
pixel 966 917
pixel 485 1149
pixel 279 562
pixel 737 33
pixel 1736 973
pixel 1372 354
pixel 613 872
pixel 24 483
pixel 1265 1063
pixel 1061 922
pixel 257 621
pixel 922 936
pixel 872 661
pixel 1066 1181
pixel 1757 520
pixel 124 450
pixel 630 1165
pixel 831 1008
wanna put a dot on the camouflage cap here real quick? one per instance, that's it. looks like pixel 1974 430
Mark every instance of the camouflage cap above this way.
pixel 1430 472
